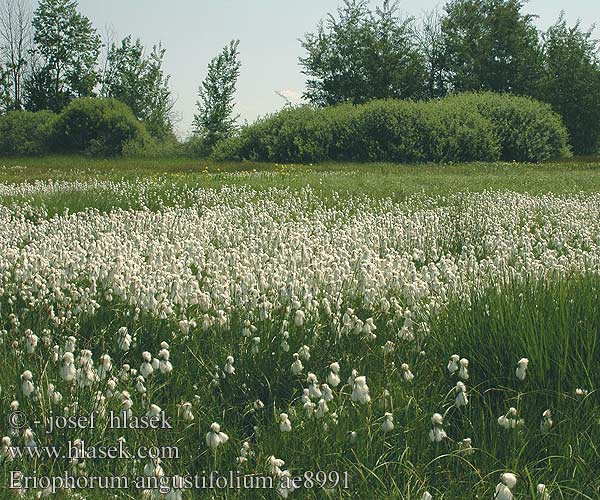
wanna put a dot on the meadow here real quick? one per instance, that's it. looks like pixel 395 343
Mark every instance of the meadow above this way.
pixel 341 330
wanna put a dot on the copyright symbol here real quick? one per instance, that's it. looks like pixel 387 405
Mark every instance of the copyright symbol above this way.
pixel 17 419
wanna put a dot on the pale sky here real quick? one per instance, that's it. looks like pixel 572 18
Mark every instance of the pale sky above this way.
pixel 193 31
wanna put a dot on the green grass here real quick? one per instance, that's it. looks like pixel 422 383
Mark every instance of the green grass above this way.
pixel 174 176
pixel 377 179
pixel 554 323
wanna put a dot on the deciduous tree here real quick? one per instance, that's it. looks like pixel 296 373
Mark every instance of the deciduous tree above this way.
pixel 138 80
pixel 215 119
pixel 490 45
pixel 5 97
pixel 68 46
pixel 362 55
pixel 571 82
pixel 15 46
pixel 431 44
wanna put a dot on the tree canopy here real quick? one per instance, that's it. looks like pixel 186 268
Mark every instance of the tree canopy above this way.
pixel 490 45
pixel 215 119
pixel 571 82
pixel 68 46
pixel 138 80
pixel 362 55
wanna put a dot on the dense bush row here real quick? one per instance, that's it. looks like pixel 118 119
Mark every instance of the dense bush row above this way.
pixel 97 127
pixel 464 127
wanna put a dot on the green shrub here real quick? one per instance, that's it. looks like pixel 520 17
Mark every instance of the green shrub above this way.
pixel 528 130
pixel 386 130
pixel 169 147
pixel 343 122
pixel 455 132
pixel 467 127
pixel 226 149
pixel 98 127
pixel 197 147
pixel 245 145
pixel 24 133
pixel 302 134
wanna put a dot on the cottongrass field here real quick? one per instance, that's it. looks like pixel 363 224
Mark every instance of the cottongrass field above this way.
pixel 438 346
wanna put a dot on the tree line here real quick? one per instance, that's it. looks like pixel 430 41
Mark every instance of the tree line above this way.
pixel 51 56
pixel 362 54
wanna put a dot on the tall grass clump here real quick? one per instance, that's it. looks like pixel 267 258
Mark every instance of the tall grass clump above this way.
pixel 554 325
pixel 552 322
pixel 469 127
